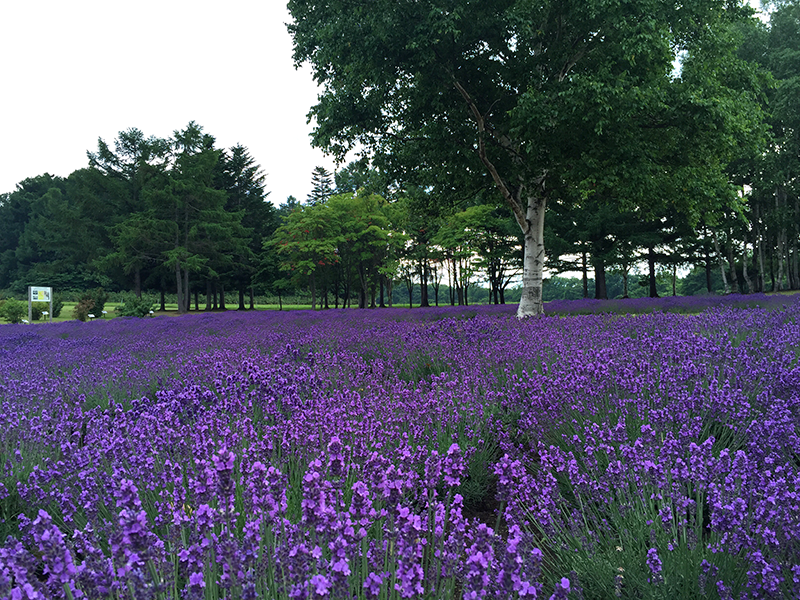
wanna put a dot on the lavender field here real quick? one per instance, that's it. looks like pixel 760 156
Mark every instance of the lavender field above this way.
pixel 437 453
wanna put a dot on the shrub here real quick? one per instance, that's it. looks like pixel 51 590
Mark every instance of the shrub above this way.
pixel 37 308
pixel 13 311
pixel 99 297
pixel 83 309
pixel 91 302
pixel 136 307
pixel 58 305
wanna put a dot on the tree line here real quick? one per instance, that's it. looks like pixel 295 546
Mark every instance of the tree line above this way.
pixel 663 131
pixel 669 138
pixel 352 246
pixel 181 216
pixel 173 214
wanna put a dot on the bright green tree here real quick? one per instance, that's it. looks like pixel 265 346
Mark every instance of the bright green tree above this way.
pixel 344 243
pixel 304 246
pixel 364 239
pixel 494 243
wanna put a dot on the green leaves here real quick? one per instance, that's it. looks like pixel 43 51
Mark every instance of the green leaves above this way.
pixel 346 239
pixel 552 82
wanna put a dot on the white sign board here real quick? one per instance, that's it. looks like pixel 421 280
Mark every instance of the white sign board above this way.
pixel 41 294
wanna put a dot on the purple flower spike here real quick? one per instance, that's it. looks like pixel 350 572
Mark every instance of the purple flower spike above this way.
pixel 127 495
pixel 508 473
pixel 724 591
pixel 433 470
pixel 57 558
pixel 373 584
pixel 320 585
pixel 562 590
pixel 335 445
pixel 479 563
pixel 197 580
pixel 317 505
pixel 654 562
pixel 454 467
pixel 224 461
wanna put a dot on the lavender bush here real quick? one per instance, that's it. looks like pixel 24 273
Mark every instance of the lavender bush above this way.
pixel 403 454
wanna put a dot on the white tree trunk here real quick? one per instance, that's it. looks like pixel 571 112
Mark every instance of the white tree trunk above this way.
pixel 744 269
pixel 721 262
pixel 780 201
pixel 530 304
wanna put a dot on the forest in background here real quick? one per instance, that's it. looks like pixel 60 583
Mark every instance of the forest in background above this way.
pixel 181 216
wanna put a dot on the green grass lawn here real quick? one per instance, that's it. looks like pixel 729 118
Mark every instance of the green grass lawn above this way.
pixel 171 311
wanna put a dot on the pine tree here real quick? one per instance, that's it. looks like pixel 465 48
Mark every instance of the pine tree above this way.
pixel 322 186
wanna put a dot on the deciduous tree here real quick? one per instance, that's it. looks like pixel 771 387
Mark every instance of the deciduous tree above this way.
pixel 526 91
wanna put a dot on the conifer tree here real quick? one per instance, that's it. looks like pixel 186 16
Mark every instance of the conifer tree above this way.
pixel 322 182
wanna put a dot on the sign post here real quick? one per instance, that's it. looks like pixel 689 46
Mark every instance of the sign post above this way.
pixel 40 294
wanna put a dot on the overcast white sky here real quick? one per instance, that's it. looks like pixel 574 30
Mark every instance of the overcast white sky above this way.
pixel 73 72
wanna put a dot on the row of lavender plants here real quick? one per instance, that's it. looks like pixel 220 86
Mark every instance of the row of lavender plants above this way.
pixel 436 453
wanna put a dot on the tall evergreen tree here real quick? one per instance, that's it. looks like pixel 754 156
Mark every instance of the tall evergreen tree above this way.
pixel 54 233
pixel 197 233
pixel 322 189
pixel 121 176
pixel 288 206
pixel 133 161
pixel 244 182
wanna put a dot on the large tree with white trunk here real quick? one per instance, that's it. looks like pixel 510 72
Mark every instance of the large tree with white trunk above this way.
pixel 549 99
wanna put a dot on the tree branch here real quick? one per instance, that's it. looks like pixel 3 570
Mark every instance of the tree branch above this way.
pixel 511 200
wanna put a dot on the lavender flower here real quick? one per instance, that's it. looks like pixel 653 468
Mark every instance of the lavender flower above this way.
pixel 562 590
pixel 479 564
pixel 59 565
pixel 433 470
pixel 223 466
pixel 508 472
pixel 372 584
pixel 156 433
pixel 318 500
pixel 654 564
pixel 320 585
pixel 409 553
pixel 454 466
pixel 336 463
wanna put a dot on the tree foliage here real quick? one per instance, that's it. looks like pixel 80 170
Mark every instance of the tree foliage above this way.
pixel 322 186
pixel 341 246
pixel 551 100
pixel 657 133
